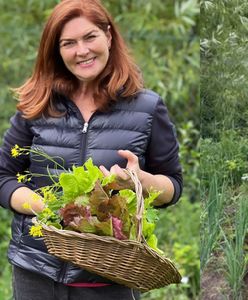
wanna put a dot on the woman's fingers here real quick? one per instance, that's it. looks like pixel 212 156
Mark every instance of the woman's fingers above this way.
pixel 122 180
pixel 131 158
pixel 119 172
pixel 104 171
pixel 116 170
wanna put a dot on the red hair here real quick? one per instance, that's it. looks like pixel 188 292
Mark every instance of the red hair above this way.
pixel 50 74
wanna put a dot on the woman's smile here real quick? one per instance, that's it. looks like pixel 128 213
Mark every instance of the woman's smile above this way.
pixel 87 62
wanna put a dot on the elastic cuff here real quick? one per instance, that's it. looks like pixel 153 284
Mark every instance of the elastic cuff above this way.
pixel 176 195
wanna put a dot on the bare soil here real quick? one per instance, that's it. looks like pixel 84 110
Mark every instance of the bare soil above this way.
pixel 213 282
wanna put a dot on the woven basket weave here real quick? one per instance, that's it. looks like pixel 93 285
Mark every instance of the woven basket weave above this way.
pixel 127 262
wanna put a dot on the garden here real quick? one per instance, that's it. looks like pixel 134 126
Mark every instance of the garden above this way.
pixel 223 149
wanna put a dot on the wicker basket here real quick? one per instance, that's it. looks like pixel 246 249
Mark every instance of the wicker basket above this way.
pixel 127 262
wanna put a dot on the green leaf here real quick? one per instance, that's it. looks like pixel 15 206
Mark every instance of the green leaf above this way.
pixel 133 232
pixel 151 197
pixel 131 200
pixel 151 215
pixel 82 200
pixel 152 242
pixel 147 228
pixel 69 184
pixel 55 224
pixel 85 183
pixel 105 228
pixel 108 179
pixel 93 171
pixel 87 225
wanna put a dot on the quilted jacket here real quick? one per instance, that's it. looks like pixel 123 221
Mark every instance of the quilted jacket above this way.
pixel 140 124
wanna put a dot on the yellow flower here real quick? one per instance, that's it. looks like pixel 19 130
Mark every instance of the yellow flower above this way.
pixel 46 212
pixel 20 178
pixel 36 197
pixel 49 196
pixel 26 206
pixel 15 151
pixel 36 231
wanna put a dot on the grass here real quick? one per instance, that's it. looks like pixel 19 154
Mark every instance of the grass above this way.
pixel 223 225
pixel 234 250
pixel 212 213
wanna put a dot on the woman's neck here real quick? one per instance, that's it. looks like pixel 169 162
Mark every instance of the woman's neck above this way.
pixel 84 100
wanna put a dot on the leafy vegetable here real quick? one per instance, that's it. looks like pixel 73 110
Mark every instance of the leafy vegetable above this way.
pixel 83 200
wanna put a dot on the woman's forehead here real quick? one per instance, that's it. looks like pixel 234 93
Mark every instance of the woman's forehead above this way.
pixel 78 27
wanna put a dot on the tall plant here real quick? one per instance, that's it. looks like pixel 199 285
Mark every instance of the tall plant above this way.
pixel 236 262
pixel 224 64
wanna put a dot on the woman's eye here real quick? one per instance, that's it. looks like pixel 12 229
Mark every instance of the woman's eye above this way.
pixel 68 44
pixel 90 37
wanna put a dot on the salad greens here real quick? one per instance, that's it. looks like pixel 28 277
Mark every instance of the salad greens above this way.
pixel 83 200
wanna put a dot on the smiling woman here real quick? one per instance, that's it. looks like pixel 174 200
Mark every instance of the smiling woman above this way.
pixel 85 99
pixel 52 74
pixel 84 49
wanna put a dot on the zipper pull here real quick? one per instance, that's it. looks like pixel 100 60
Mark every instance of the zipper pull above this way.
pixel 84 130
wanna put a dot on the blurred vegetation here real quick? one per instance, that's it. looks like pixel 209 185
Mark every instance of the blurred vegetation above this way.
pixel 224 66
pixel 164 38
pixel 224 149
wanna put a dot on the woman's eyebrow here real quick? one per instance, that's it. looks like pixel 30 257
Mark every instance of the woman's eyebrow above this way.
pixel 84 36
pixel 89 33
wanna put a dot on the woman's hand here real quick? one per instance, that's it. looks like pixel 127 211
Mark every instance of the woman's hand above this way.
pixel 122 178
pixel 149 181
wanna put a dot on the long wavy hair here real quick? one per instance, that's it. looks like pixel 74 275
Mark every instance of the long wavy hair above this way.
pixel 121 76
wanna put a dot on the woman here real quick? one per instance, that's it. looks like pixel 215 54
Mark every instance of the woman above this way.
pixel 84 99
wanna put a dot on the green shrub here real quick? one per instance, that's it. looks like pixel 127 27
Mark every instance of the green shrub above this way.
pixel 227 158
pixel 178 234
pixel 224 66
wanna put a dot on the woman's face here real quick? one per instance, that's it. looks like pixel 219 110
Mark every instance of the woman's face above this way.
pixel 84 48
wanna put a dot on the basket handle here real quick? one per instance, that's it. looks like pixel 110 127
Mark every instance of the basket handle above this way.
pixel 140 202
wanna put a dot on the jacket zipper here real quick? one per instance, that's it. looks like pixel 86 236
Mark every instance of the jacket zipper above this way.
pixel 84 142
pixel 84 131
pixel 85 128
pixel 84 139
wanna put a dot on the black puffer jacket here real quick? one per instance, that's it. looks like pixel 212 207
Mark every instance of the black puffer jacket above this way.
pixel 140 125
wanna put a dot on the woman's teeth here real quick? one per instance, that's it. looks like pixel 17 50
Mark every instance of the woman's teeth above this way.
pixel 86 62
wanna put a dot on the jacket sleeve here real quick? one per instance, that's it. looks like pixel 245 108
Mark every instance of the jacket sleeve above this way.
pixel 20 134
pixel 162 153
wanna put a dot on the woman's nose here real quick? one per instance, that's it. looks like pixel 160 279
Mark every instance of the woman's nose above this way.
pixel 82 49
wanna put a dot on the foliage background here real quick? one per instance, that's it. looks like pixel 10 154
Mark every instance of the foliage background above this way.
pixel 164 38
pixel 224 149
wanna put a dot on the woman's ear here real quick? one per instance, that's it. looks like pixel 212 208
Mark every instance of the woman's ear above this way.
pixel 109 36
